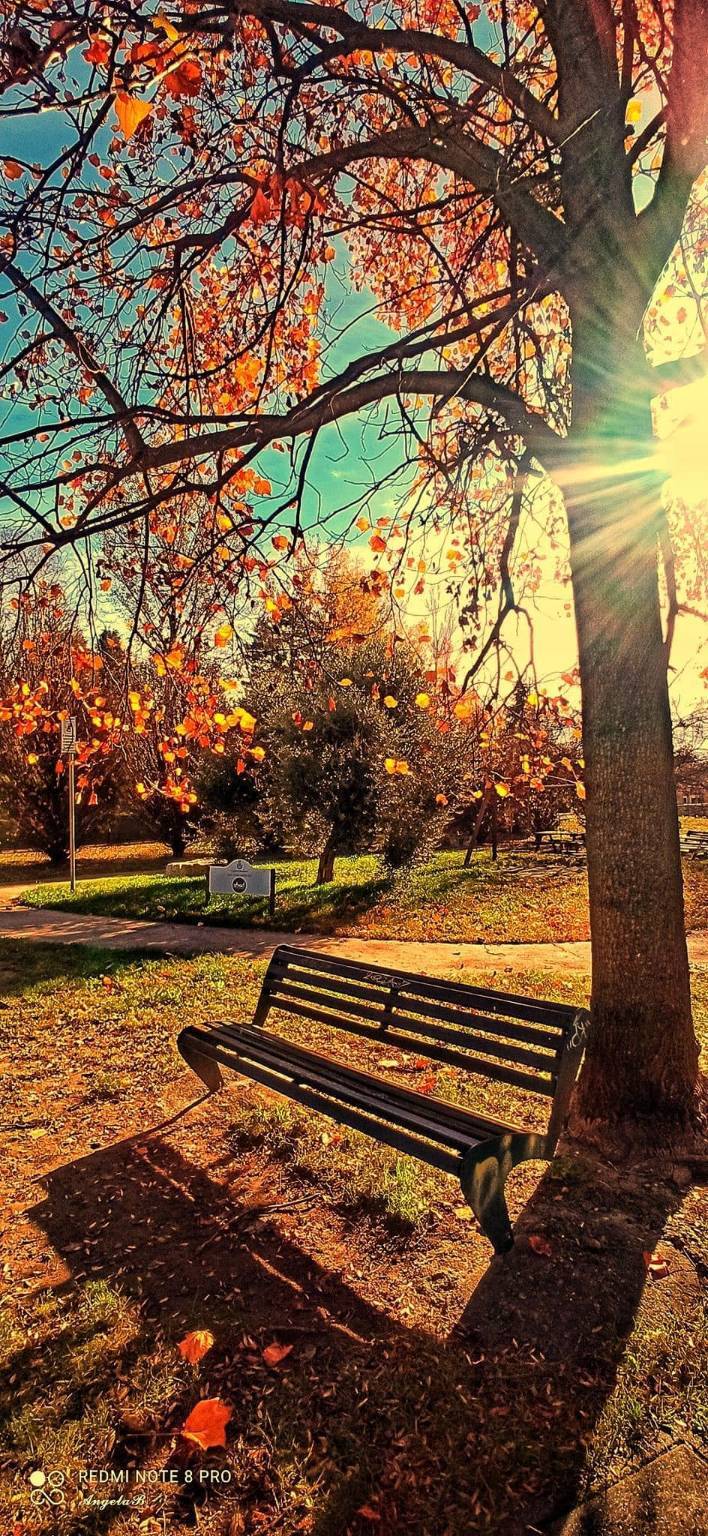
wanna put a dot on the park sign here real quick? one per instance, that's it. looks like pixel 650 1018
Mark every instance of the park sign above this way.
pixel 239 878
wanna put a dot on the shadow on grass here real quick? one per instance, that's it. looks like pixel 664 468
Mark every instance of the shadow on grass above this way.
pixel 61 963
pixel 182 900
pixel 484 1430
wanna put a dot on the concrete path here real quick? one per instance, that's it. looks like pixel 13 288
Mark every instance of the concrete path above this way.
pixel 50 927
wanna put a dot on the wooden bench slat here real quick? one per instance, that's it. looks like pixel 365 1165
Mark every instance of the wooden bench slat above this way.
pixel 415 1026
pixel 405 1001
pixel 465 1121
pixel 464 1059
pixel 432 987
pixel 401 1140
pixel 416 1111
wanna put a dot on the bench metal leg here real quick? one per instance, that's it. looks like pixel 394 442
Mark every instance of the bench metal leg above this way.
pixel 485 1170
pixel 205 1067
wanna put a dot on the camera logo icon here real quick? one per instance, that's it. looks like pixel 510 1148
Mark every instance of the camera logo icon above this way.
pixel 47 1489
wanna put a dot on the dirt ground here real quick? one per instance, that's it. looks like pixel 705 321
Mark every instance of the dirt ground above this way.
pixel 420 1385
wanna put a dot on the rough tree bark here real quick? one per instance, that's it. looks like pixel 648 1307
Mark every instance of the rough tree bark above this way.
pixel 642 1059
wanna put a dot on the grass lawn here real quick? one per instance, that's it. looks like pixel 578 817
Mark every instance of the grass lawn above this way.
pixel 414 1386
pixel 515 899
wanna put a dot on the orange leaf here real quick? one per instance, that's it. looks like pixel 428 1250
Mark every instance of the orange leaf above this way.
pixel 580 790
pixel 185 79
pixel 12 170
pixel 195 1345
pixel 223 634
pixel 377 543
pixel 260 210
pixel 274 1354
pixel 206 1424
pixel 130 111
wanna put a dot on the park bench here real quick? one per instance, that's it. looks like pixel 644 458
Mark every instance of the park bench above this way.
pixel 695 844
pixel 561 842
pixel 534 1046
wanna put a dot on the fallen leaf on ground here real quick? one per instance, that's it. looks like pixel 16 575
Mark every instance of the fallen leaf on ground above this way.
pixel 540 1245
pixel 206 1424
pixel 273 1354
pixel 195 1345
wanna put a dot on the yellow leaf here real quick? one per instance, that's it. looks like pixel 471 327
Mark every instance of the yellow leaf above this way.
pixel 223 634
pixel 422 700
pixel 390 702
pixel 580 790
pixel 502 790
pixel 130 111
pixel 634 111
pixel 166 26
pixel 258 753
pixel 245 722
pixel 345 682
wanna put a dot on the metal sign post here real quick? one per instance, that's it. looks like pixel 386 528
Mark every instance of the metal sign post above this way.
pixel 68 749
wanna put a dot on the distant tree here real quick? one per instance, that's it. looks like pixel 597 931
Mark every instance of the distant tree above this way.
pixel 326 752
pixel 49 672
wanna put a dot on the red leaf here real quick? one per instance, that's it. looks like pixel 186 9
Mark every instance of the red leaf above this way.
pixel 540 1245
pixel 99 51
pixel 185 79
pixel 206 1424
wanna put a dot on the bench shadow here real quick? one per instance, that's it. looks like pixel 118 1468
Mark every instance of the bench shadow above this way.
pixel 481 1430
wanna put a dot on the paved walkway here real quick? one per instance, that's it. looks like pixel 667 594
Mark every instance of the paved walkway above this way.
pixel 50 927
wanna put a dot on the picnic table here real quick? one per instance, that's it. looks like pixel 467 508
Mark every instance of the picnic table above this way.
pixel 557 840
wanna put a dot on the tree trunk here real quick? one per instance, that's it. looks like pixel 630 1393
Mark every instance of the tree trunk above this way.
pixel 178 841
pixel 325 867
pixel 642 1056
pixel 472 844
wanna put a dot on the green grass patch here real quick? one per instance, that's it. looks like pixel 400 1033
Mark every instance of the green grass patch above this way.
pixel 504 901
pixel 514 899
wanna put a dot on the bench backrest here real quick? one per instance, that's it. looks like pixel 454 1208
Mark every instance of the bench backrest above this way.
pixel 506 1037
